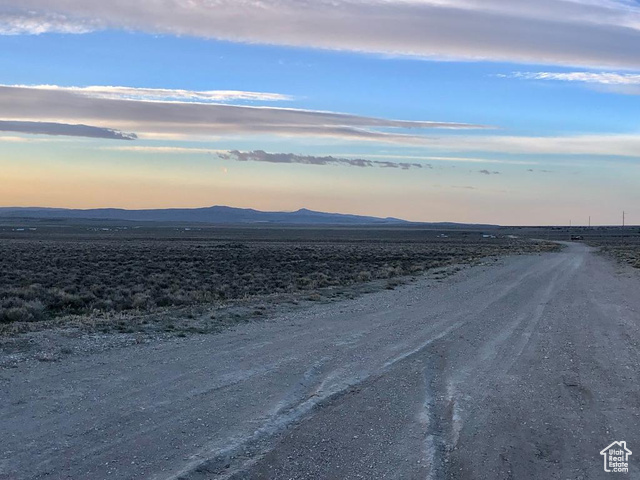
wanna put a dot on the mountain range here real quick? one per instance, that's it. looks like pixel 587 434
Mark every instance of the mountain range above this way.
pixel 211 215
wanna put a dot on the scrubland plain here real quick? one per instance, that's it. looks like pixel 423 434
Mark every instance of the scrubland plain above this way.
pixel 53 272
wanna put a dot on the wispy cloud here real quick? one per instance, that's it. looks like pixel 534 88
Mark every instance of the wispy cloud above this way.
pixel 159 118
pixel 262 156
pixel 608 145
pixel 592 33
pixel 14 139
pixel 396 158
pixel 624 145
pixel 448 159
pixel 50 128
pixel 603 78
pixel 161 94
pixel 489 172
pixel 184 120
pixel 615 82
pixel 165 150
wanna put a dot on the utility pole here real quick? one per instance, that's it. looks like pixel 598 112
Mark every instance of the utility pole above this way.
pixel 589 221
pixel 623 219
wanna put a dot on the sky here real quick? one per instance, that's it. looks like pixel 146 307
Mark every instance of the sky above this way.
pixel 485 111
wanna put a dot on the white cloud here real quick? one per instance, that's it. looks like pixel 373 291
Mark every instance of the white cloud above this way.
pixel 603 78
pixel 161 94
pixel 613 82
pixel 36 108
pixel 16 21
pixel 593 33
pixel 161 119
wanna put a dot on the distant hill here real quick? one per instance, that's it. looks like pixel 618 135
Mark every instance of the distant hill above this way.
pixel 212 215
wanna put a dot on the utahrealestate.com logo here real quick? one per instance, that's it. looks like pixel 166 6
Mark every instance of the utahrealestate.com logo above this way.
pixel 616 457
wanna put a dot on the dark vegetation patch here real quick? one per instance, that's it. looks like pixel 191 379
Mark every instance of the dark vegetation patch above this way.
pixel 49 274
pixel 624 248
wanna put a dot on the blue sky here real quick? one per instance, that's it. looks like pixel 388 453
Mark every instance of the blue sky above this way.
pixel 533 136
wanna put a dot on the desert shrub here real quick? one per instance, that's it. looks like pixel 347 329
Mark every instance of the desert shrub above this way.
pixel 364 276
pixel 20 311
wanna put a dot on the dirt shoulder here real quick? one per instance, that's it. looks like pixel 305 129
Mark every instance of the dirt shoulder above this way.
pixel 59 338
pixel 64 336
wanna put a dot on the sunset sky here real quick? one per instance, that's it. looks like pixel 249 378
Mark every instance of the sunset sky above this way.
pixel 501 111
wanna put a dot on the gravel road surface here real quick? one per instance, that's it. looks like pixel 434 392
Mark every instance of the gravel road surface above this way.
pixel 523 369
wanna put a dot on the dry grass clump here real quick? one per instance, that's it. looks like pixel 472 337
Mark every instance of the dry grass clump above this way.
pixel 624 248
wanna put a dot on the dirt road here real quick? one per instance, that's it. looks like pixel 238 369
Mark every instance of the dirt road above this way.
pixel 525 369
